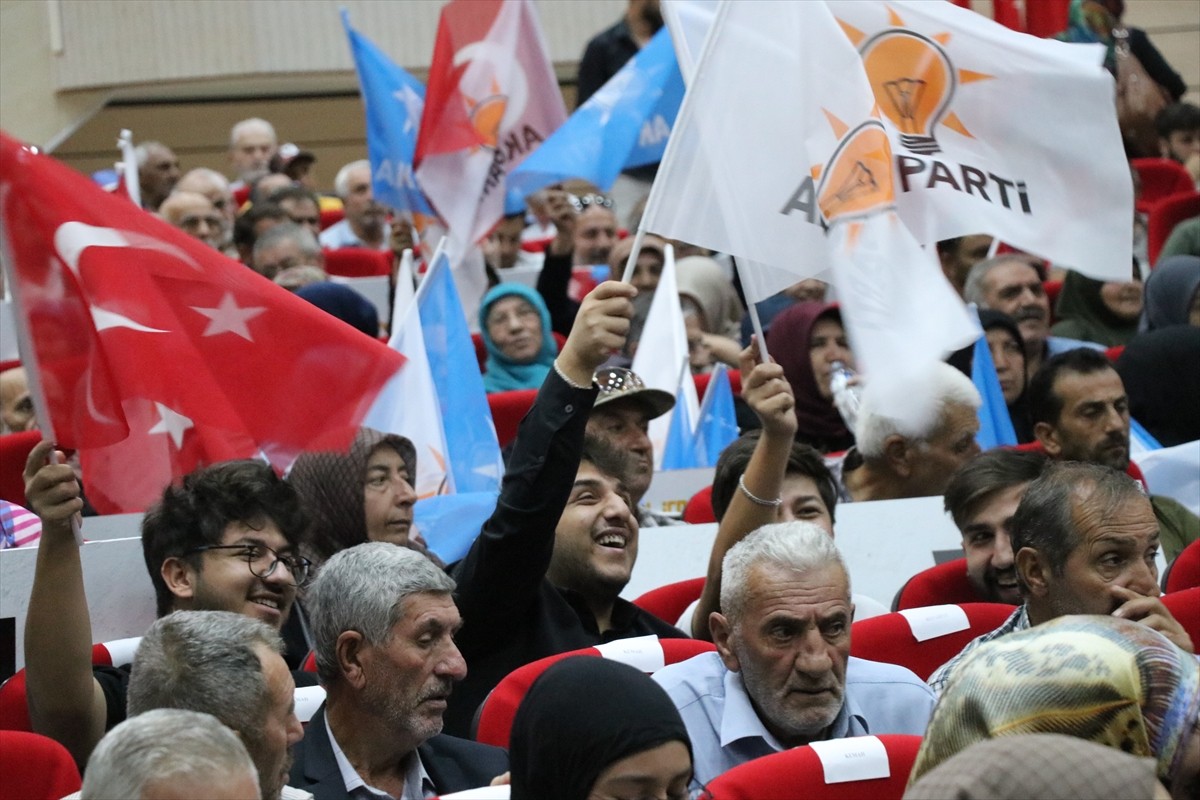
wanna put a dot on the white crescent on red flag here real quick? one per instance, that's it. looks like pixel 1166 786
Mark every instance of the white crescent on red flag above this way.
pixel 156 354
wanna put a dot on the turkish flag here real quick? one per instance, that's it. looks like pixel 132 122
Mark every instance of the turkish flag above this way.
pixel 156 354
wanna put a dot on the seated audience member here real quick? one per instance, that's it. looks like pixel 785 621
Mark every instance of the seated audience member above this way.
pixel 1007 349
pixel 1085 540
pixel 1111 681
pixel 341 301
pixel 1039 765
pixel 893 458
pixel 621 417
pixel 195 215
pixel 782 675
pixel 252 145
pixel 158 172
pixel 303 206
pixel 1183 241
pixel 227 665
pixel 555 278
pixel 546 572
pixel 252 223
pixel 384 622
pixel 170 753
pixel 1105 313
pixel 1162 397
pixel 297 164
pixel 595 229
pixel 1178 127
pixel 649 266
pixel 981 498
pixel 959 254
pixel 1172 294
pixel 593 727
pixel 515 325
pixel 263 187
pixel 712 310
pixel 285 247
pixel 215 187
pixel 16 402
pixel 766 476
pixel 1012 284
pixel 1080 412
pixel 806 339
pixel 225 540
pixel 502 248
pixel 365 223
pixel 365 495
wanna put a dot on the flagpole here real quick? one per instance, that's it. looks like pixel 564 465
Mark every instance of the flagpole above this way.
pixel 631 262
pixel 432 263
pixel 25 348
pixel 129 167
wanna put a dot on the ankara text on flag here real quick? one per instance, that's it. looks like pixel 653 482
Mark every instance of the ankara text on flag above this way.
pixel 393 101
pixel 156 354
pixel 492 98
pixel 624 124
pixel 998 132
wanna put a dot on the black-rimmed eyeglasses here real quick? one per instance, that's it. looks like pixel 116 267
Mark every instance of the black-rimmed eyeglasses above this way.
pixel 262 560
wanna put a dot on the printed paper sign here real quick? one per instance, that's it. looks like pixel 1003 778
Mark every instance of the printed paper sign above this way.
pixel 643 652
pixel 858 758
pixel 308 700
pixel 931 622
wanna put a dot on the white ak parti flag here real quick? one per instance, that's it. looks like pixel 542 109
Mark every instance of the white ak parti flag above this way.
pixel 997 132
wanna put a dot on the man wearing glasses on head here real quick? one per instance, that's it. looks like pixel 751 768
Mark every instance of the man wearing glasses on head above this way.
pixel 226 540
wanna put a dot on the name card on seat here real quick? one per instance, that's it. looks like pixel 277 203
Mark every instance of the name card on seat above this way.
pixel 643 652
pixel 857 758
pixel 930 622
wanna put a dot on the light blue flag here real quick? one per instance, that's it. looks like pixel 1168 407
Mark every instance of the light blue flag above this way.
pixel 1141 440
pixel 995 424
pixel 718 427
pixel 393 100
pixel 471 445
pixel 681 451
pixel 624 124
pixel 450 523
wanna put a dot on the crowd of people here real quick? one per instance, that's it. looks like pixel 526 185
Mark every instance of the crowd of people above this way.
pixel 264 584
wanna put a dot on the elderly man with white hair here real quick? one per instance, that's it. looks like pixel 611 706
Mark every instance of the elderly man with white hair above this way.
pixel 365 223
pixel 174 753
pixel 252 145
pixel 911 451
pixel 782 675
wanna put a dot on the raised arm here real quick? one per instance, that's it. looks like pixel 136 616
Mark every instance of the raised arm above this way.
pixel 768 393
pixel 65 701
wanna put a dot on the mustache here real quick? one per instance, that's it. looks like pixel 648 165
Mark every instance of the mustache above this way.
pixel 1029 312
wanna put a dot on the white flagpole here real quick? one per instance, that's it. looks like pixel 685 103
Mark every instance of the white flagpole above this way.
pixel 129 167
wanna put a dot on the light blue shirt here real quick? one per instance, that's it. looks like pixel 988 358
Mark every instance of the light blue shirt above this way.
pixel 340 235
pixel 726 730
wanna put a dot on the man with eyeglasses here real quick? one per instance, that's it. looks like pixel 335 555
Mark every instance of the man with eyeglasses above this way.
pixel 302 205
pixel 195 215
pixel 226 540
pixel 215 187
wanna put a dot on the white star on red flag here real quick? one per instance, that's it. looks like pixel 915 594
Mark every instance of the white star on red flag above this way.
pixel 228 317
pixel 171 423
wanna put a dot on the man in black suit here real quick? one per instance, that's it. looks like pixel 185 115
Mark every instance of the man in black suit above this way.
pixel 384 621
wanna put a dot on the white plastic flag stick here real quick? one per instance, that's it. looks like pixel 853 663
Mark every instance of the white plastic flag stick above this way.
pixel 129 166
pixel 631 262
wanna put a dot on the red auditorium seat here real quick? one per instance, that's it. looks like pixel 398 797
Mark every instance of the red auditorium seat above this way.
pixel 14 451
pixel 508 409
pixel 1184 606
pixel 496 714
pixel 1165 215
pixel 358 262
pixel 331 217
pixel 1184 571
pixel 1161 178
pixel 735 382
pixel 668 602
pixel 889 638
pixel 699 508
pixel 945 583
pixel 36 767
pixel 799 773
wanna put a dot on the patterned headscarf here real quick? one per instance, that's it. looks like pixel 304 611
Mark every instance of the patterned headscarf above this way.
pixel 1107 680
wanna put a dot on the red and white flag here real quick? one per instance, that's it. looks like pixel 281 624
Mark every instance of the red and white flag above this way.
pixel 154 354
pixel 492 99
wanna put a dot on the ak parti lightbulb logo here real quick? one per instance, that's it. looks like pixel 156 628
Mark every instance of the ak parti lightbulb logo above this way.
pixel 914 81
pixel 857 180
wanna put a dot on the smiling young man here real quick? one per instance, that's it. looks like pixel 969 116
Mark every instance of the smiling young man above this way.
pixel 544 575
pixel 225 540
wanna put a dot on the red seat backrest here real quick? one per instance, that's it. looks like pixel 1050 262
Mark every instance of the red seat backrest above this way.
pixel 944 583
pixel 36 767
pixel 1184 606
pixel 14 707
pixel 498 709
pixel 480 351
pixel 1184 571
pixel 668 602
pixel 331 217
pixel 699 508
pixel 889 638
pixel 735 382
pixel 508 409
pixel 14 450
pixel 1161 177
pixel 358 262
pixel 1165 215
pixel 798 773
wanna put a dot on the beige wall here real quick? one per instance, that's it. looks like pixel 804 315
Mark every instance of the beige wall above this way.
pixel 201 65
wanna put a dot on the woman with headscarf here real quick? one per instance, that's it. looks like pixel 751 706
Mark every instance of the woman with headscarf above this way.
pixel 712 311
pixel 1161 373
pixel 1007 347
pixel 1097 311
pixel 806 340
pixel 515 325
pixel 1104 679
pixel 1172 294
pixel 593 727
